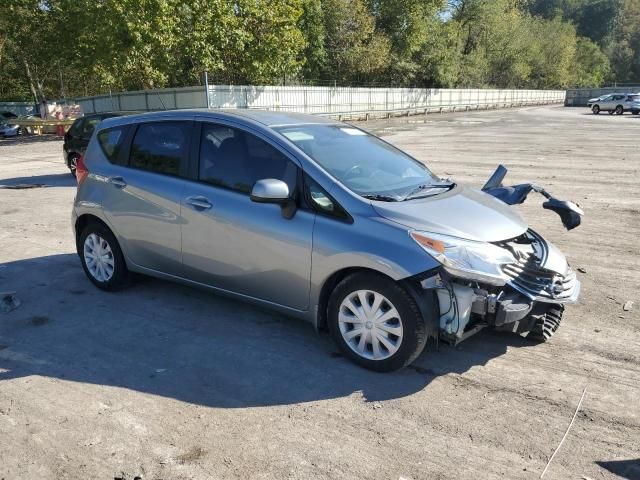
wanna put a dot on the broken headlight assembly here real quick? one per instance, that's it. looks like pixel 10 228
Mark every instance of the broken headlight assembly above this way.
pixel 466 259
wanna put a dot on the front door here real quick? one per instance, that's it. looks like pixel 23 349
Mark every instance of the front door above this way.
pixel 607 103
pixel 233 243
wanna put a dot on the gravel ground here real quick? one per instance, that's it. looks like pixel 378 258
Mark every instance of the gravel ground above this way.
pixel 165 382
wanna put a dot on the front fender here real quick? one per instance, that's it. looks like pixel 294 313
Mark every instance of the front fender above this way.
pixel 372 243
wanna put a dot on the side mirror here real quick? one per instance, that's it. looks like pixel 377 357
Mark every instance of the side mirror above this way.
pixel 270 190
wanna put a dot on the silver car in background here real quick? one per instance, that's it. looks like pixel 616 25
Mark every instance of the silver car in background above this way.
pixel 617 103
pixel 320 220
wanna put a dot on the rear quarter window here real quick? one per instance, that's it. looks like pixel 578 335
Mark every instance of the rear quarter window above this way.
pixel 111 141
pixel 76 127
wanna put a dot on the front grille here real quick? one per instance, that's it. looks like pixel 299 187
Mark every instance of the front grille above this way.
pixel 529 277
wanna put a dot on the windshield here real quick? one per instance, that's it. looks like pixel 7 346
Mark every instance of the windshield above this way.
pixel 363 163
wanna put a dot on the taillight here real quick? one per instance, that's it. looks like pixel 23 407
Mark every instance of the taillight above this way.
pixel 81 170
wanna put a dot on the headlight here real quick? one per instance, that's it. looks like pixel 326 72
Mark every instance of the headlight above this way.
pixel 479 261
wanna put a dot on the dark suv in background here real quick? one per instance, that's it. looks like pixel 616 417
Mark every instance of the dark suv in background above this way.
pixel 77 137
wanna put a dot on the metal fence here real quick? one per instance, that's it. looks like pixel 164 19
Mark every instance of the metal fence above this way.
pixel 19 108
pixel 579 97
pixel 333 101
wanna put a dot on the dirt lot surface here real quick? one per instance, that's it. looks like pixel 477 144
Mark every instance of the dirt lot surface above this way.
pixel 166 382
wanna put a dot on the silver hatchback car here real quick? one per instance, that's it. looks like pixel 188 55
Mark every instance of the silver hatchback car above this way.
pixel 317 219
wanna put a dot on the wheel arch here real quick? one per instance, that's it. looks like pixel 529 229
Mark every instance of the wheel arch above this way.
pixel 426 300
pixel 85 219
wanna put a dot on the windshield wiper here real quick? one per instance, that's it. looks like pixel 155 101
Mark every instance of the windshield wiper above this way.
pixel 380 198
pixel 424 188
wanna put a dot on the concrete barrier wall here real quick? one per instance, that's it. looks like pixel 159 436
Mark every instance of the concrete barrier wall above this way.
pixel 579 97
pixel 334 101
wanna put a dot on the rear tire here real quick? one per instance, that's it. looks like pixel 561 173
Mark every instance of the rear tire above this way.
pixel 595 109
pixel 102 259
pixel 635 112
pixel 355 312
pixel 546 325
pixel 619 110
pixel 611 112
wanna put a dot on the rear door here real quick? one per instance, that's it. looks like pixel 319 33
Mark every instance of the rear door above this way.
pixel 233 243
pixel 144 193
pixel 73 143
pixel 615 101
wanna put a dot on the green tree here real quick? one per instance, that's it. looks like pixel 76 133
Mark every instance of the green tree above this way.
pixel 593 18
pixel 21 20
pixel 623 44
pixel 355 50
pixel 267 41
pixel 592 66
pixel 311 24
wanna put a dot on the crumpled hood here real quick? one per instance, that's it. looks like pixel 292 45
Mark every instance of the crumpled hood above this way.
pixel 463 212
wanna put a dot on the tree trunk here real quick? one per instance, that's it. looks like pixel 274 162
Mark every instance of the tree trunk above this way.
pixel 31 80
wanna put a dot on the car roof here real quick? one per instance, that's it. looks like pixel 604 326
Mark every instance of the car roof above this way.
pixel 111 114
pixel 267 118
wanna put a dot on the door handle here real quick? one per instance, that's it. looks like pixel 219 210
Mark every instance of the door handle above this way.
pixel 199 202
pixel 118 182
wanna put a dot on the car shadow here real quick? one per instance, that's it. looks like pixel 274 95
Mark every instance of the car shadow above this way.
pixel 165 339
pixel 628 469
pixel 54 180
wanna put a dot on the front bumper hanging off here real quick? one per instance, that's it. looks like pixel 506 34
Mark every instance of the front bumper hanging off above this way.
pixel 537 287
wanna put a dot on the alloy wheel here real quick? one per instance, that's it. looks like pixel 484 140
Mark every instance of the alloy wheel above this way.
pixel 370 325
pixel 73 164
pixel 98 257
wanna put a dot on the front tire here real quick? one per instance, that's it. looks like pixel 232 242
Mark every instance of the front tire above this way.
pixel 102 258
pixel 376 322
pixel 596 109
pixel 546 324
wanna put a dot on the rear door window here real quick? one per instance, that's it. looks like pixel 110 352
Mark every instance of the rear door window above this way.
pixel 161 147
pixel 111 141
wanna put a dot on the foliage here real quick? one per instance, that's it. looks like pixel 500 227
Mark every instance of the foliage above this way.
pixel 311 24
pixel 355 50
pixel 66 48
pixel 623 43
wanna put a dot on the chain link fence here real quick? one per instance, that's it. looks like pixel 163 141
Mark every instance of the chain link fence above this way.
pixel 19 108
pixel 348 102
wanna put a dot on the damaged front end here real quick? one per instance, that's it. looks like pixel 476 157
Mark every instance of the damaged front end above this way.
pixel 493 270
pixel 527 297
